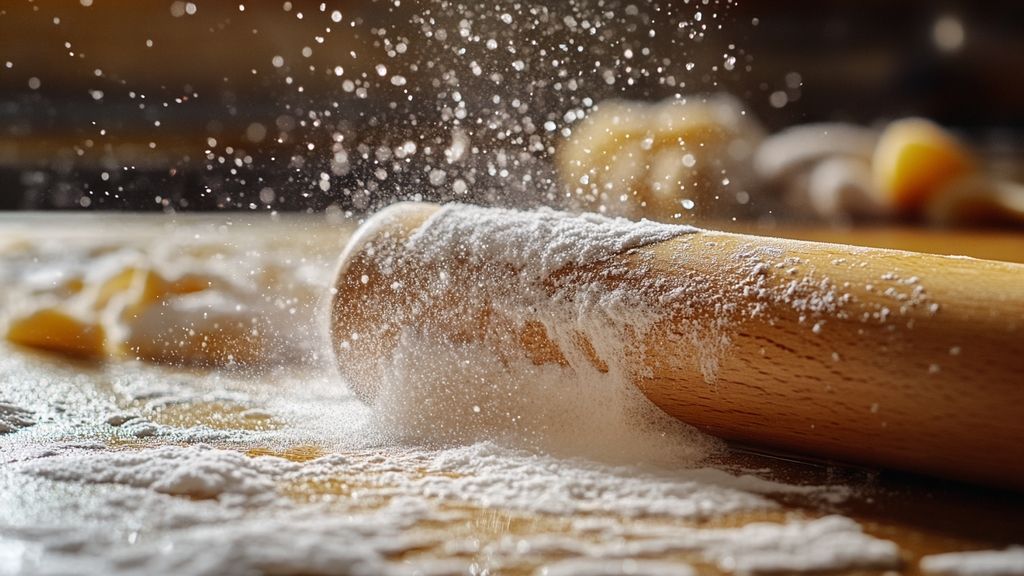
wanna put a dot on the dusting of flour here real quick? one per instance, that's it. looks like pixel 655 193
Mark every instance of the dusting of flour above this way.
pixel 1008 562
pixel 462 442
pixel 537 243
pixel 827 543
pixel 196 471
pixel 216 511
pixel 495 272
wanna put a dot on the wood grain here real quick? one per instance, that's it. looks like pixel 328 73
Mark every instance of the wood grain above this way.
pixel 888 358
pixel 935 387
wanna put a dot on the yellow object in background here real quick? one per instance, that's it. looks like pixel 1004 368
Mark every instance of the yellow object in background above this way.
pixel 913 160
pixel 59 331
pixel 190 298
pixel 682 158
pixel 203 328
pixel 102 292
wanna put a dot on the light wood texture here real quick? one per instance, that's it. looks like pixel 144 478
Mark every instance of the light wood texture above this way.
pixel 887 358
pixel 990 244
pixel 938 392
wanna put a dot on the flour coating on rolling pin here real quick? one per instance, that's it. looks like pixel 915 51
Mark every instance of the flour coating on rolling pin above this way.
pixel 530 327
pixel 538 242
pixel 501 266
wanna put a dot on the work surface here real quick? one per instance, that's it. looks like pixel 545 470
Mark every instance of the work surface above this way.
pixel 133 467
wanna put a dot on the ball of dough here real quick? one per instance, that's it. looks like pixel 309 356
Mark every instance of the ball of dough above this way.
pixel 678 159
pixel 913 160
pixel 59 330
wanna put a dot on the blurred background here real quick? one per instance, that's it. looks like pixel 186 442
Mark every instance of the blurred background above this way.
pixel 305 106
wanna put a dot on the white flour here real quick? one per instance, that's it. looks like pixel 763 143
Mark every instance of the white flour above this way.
pixel 828 543
pixel 504 265
pixel 285 542
pixel 480 474
pixel 14 418
pixel 1008 562
pixel 602 481
pixel 484 473
pixel 195 471
pixel 538 242
pixel 605 567
pixel 215 534
pixel 202 510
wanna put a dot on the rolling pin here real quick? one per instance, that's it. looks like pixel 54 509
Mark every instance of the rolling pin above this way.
pixel 878 357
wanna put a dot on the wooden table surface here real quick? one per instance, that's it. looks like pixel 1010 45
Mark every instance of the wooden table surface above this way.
pixel 922 515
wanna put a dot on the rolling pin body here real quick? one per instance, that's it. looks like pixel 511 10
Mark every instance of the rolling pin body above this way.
pixel 880 357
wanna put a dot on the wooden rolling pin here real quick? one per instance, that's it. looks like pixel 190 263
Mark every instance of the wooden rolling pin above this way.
pixel 880 357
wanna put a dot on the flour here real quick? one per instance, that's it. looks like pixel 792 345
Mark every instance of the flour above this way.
pixel 1008 562
pixel 437 394
pixel 460 439
pixel 828 543
pixel 194 471
pixel 503 265
pixel 602 567
pixel 145 428
pixel 315 543
pixel 612 509
pixel 482 474
pixel 486 472
pixel 539 242
pixel 14 418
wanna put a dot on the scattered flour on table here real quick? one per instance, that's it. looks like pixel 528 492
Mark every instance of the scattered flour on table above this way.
pixel 214 545
pixel 14 418
pixel 828 543
pixel 481 475
pixel 485 473
pixel 133 426
pixel 410 487
pixel 604 567
pixel 195 471
pixel 1008 562
pixel 570 441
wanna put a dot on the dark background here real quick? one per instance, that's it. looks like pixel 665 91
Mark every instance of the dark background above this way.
pixel 202 118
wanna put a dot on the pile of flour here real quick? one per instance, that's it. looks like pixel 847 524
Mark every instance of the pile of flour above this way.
pixel 236 507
